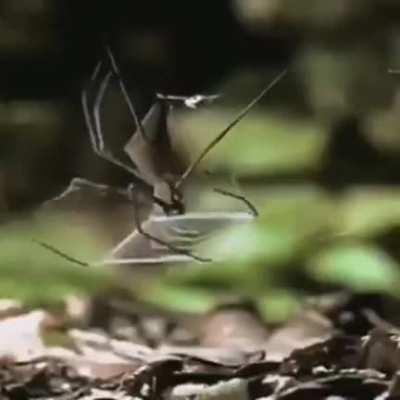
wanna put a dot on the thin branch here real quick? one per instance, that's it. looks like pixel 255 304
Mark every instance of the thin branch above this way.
pixel 226 130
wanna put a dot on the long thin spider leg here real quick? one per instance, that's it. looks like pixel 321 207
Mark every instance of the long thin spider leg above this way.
pixel 226 130
pixel 252 208
pixel 96 71
pixel 96 137
pixel 125 94
pixel 61 253
pixel 171 247
pixel 96 110
pixel 247 202
pixel 161 242
pixel 92 136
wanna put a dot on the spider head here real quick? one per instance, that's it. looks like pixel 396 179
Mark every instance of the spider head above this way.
pixel 168 198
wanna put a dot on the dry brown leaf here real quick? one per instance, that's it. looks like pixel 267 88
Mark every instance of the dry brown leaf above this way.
pixel 381 351
pixel 234 327
pixel 308 328
pixel 234 389
pixel 226 356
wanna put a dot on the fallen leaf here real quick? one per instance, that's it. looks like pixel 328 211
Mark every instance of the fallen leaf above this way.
pixel 307 328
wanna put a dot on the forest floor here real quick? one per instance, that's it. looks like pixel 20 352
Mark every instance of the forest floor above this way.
pixel 111 347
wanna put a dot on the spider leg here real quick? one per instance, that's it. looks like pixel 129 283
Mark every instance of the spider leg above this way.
pixel 125 94
pixel 93 122
pixel 96 71
pixel 227 129
pixel 97 108
pixel 175 204
pixel 61 253
pixel 84 99
pixel 161 242
pixel 170 246
pixel 252 208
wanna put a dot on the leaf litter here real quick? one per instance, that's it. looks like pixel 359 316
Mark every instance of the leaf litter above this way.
pixel 228 353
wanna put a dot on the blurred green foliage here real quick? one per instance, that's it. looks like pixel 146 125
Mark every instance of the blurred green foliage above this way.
pixel 304 240
pixel 37 276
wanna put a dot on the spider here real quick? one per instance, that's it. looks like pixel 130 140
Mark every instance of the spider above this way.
pixel 156 178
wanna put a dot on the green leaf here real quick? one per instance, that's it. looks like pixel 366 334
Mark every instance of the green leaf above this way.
pixel 357 266
pixel 277 306
pixel 177 298
pixel 370 211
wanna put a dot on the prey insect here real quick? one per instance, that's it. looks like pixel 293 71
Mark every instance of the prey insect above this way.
pixel 155 172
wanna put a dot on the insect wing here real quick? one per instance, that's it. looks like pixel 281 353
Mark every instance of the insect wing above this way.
pixel 182 231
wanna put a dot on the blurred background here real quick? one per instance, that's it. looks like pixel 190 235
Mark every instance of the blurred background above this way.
pixel 319 156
